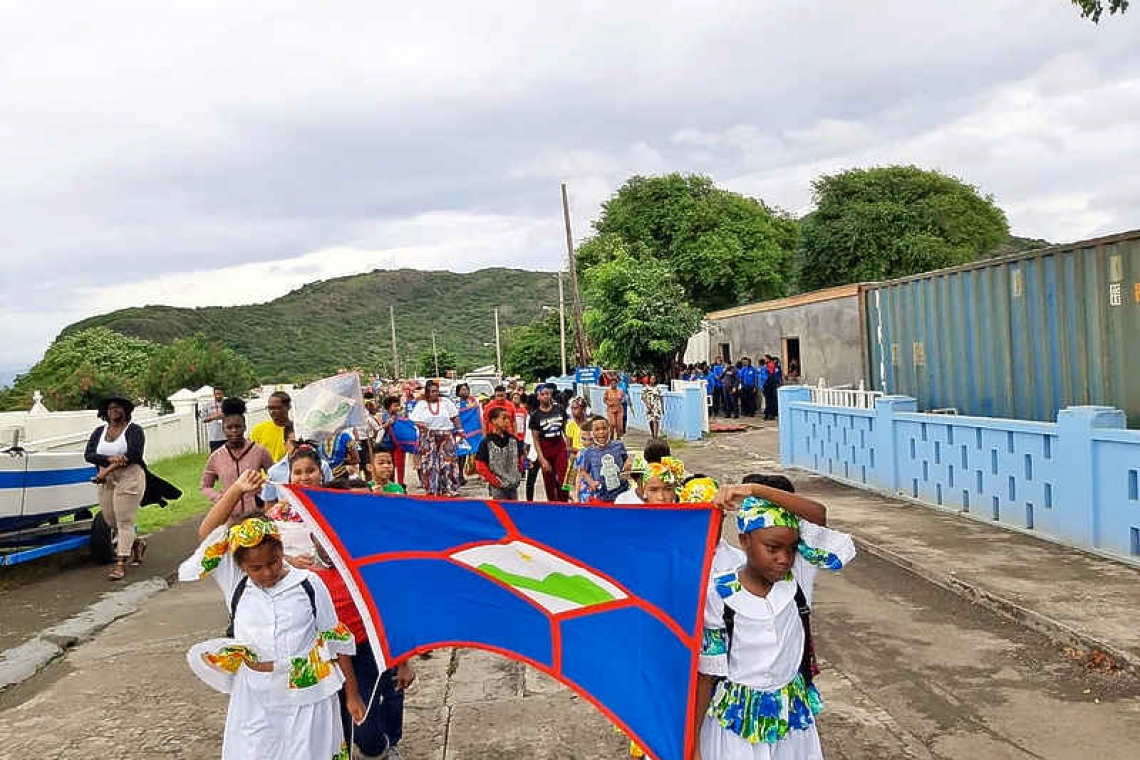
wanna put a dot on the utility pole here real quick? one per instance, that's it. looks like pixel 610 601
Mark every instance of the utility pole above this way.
pixel 562 322
pixel 435 353
pixel 395 353
pixel 580 334
pixel 498 345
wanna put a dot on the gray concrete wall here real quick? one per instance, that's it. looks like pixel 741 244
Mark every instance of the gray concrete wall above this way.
pixel 829 333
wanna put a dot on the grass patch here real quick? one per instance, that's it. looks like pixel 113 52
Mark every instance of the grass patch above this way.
pixel 185 472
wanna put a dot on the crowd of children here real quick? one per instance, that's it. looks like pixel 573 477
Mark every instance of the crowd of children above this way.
pixel 296 663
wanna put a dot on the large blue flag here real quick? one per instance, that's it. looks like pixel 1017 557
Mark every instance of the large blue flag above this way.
pixel 606 599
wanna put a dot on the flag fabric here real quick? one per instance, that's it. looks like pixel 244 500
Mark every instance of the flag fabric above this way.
pixel 472 425
pixel 407 437
pixel 325 407
pixel 606 599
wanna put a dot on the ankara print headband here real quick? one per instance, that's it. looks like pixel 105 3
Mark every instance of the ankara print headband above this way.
pixel 757 514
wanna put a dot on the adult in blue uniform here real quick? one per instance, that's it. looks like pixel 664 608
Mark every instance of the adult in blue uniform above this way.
pixel 715 386
pixel 749 383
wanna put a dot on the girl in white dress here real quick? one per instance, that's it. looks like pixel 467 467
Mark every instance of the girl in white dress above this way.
pixel 286 655
pixel 755 696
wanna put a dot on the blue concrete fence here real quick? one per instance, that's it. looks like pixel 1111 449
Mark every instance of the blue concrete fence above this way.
pixel 1073 481
pixel 683 410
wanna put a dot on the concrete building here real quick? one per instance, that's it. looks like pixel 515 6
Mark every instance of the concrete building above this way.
pixel 821 331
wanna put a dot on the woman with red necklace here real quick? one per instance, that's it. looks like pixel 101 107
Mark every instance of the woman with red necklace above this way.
pixel 437 419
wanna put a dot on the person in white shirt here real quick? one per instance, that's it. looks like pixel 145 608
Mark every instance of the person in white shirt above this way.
pixel 286 654
pixel 437 420
pixel 756 699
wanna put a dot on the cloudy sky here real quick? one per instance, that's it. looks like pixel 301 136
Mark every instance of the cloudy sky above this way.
pixel 215 153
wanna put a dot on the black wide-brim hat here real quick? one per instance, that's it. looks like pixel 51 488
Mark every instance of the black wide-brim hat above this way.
pixel 126 403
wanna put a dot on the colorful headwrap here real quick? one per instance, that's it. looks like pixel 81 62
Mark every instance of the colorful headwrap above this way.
pixel 246 534
pixel 756 514
pixel 699 491
pixel 670 470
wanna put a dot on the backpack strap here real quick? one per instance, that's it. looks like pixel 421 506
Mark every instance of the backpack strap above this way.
pixel 239 590
pixel 808 666
pixel 729 625
pixel 309 592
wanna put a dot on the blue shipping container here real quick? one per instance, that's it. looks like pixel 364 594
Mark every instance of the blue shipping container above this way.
pixel 1021 336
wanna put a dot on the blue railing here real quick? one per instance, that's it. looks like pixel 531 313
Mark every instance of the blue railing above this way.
pixel 682 412
pixel 1074 481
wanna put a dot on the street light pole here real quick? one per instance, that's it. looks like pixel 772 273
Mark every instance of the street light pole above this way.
pixel 395 353
pixel 435 353
pixel 498 345
pixel 562 322
pixel 583 349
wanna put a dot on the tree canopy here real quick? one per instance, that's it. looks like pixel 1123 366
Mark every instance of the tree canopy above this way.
pixel 1094 9
pixel 637 315
pixel 425 362
pixel 884 222
pixel 193 362
pixel 81 368
pixel 724 248
pixel 534 352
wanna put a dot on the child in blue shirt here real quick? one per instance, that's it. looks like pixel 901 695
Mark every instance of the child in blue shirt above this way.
pixel 603 466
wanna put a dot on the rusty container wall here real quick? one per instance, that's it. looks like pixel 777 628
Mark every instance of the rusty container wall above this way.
pixel 1021 336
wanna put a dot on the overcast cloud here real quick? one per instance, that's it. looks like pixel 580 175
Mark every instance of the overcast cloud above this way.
pixel 217 153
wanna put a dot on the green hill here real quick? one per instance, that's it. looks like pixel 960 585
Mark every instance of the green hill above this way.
pixel 343 322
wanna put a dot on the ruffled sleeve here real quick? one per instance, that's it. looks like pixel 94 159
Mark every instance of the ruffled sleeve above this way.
pixel 333 634
pixel 714 637
pixel 820 547
pixel 212 557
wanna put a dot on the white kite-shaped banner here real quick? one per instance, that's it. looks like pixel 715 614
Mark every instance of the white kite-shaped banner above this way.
pixel 327 406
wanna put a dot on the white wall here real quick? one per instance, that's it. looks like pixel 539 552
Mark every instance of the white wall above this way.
pixel 167 435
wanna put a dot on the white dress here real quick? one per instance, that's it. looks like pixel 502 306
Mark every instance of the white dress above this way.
pixel 763 710
pixel 291 713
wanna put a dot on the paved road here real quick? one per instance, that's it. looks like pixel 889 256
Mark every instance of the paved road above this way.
pixel 42 593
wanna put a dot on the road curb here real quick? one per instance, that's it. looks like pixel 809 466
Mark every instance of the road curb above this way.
pixel 1053 630
pixel 19 663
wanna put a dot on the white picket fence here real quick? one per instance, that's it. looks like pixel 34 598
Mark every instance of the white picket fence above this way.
pixel 843 396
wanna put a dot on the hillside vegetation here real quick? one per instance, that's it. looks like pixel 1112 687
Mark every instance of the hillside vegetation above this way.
pixel 343 322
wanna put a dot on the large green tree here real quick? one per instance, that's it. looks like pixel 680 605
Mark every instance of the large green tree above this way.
pixel 637 315
pixel 1094 9
pixel 724 248
pixel 196 361
pixel 80 368
pixel 534 352
pixel 892 221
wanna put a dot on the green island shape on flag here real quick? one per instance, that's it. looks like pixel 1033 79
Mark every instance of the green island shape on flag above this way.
pixel 323 418
pixel 574 588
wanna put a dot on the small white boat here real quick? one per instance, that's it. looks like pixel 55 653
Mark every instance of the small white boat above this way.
pixel 36 491
pixel 38 488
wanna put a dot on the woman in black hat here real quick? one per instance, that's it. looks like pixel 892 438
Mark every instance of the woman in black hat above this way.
pixel 116 448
